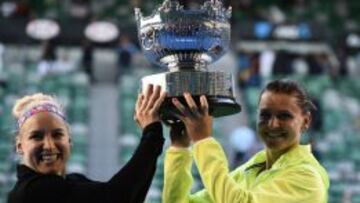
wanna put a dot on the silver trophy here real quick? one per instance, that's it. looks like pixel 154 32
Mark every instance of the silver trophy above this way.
pixel 185 42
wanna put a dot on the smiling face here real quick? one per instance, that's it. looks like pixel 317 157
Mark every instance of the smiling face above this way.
pixel 281 121
pixel 44 143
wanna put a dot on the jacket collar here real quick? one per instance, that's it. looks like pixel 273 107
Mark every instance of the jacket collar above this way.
pixel 24 172
pixel 295 155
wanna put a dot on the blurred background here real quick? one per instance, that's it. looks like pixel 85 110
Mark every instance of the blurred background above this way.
pixel 86 53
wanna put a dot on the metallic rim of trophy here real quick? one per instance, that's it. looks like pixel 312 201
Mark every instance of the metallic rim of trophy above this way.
pixel 185 42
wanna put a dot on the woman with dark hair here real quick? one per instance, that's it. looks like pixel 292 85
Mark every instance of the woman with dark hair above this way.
pixel 284 172
pixel 44 143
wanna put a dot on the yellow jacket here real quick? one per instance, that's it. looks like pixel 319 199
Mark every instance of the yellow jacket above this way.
pixel 296 177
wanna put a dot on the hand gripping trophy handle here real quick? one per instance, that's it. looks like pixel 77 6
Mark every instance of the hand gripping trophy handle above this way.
pixel 185 42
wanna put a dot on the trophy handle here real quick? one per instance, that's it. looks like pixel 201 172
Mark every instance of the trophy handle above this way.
pixel 148 39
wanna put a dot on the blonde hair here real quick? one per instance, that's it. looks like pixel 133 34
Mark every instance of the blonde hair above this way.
pixel 25 103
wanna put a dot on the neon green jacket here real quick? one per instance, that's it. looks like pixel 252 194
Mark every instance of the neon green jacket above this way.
pixel 296 177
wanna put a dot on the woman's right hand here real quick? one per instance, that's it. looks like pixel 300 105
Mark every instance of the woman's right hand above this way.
pixel 148 106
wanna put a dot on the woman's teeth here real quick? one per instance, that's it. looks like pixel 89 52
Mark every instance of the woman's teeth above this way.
pixel 275 134
pixel 49 158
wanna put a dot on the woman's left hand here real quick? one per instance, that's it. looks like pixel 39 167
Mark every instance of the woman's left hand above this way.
pixel 148 105
pixel 197 120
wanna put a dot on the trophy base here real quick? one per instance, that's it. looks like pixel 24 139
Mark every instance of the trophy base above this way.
pixel 218 107
pixel 216 86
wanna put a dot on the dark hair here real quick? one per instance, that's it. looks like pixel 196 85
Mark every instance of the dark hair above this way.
pixel 290 87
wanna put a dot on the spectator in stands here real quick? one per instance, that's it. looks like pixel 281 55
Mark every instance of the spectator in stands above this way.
pixel 283 63
pixel 342 55
pixel 44 144
pixel 87 59
pixel 125 50
pixel 249 71
pixel 51 64
pixel 316 64
pixel 285 172
pixel 48 58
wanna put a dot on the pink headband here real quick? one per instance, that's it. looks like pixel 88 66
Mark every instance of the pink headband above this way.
pixel 46 107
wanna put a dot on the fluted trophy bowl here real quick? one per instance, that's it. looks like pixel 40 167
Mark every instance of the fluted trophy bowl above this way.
pixel 185 42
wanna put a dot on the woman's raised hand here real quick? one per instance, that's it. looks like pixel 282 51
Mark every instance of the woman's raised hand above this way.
pixel 197 120
pixel 148 105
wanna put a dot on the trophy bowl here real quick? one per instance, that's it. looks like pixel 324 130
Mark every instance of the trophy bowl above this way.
pixel 185 42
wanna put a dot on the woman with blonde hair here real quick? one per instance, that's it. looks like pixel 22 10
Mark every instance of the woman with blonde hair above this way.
pixel 44 143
